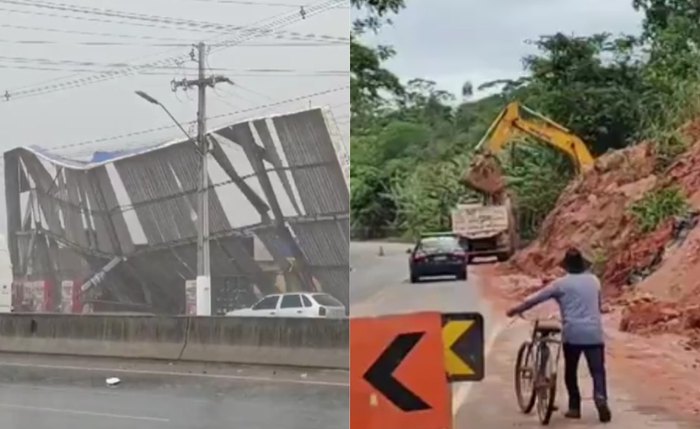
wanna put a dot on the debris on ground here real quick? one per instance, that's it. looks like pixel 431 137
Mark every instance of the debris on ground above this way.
pixel 652 276
pixel 112 381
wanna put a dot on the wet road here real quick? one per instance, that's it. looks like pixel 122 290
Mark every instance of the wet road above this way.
pixel 379 285
pixel 68 393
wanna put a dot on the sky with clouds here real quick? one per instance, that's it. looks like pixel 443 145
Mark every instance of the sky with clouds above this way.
pixel 453 41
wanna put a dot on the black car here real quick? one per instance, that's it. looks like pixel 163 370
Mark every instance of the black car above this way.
pixel 438 255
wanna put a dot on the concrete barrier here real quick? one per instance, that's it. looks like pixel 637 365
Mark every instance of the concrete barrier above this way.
pixel 272 341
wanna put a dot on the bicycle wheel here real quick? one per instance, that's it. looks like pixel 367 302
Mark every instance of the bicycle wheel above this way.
pixel 524 376
pixel 546 385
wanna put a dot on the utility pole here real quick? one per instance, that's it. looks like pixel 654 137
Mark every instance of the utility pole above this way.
pixel 203 262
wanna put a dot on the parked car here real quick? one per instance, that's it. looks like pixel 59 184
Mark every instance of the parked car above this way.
pixel 438 255
pixel 294 304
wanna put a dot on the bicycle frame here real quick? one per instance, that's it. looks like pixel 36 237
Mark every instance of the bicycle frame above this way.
pixel 538 339
pixel 541 369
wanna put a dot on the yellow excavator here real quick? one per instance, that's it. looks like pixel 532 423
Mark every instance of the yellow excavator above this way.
pixel 485 174
pixel 489 227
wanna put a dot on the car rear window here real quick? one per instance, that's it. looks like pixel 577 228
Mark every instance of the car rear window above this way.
pixel 327 300
pixel 267 303
pixel 441 243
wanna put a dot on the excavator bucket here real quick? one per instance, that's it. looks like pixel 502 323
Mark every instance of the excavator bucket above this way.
pixel 485 174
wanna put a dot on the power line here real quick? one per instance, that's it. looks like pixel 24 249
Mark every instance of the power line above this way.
pixel 103 77
pixel 90 33
pixel 232 74
pixel 165 44
pixel 149 20
pixel 68 62
pixel 224 115
pixel 251 3
pixel 272 26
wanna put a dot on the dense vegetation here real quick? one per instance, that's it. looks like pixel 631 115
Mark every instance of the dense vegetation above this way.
pixel 411 142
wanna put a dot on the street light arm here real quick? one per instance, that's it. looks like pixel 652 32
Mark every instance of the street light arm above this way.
pixel 156 102
pixel 189 137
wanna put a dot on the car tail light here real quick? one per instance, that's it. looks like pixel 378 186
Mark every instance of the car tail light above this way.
pixel 418 256
pixel 322 311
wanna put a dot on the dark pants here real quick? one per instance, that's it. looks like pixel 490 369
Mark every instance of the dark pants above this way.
pixel 595 357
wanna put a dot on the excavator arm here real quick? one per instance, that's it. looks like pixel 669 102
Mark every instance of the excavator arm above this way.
pixel 485 174
pixel 510 123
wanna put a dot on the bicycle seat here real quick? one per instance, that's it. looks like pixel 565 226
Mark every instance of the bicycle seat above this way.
pixel 548 327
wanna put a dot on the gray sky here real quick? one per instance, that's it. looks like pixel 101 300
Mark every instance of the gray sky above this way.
pixel 31 39
pixel 452 41
pixel 110 108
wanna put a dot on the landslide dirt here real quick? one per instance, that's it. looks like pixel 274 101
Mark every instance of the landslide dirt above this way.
pixel 653 278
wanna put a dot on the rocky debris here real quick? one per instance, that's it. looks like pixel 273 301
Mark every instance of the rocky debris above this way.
pixel 644 314
pixel 691 318
pixel 633 264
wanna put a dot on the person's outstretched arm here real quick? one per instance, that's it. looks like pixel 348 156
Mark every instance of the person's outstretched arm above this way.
pixel 549 292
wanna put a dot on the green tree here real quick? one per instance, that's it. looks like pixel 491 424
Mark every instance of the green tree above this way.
pixel 591 85
pixel 368 77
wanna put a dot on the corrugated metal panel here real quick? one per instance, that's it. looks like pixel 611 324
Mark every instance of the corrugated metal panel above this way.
pixel 184 162
pixel 274 158
pixel 151 185
pixel 326 246
pixel 315 168
pixel 104 190
pixel 72 213
pixel 324 242
pixel 43 182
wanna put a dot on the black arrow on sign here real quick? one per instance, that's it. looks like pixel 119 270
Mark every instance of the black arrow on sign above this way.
pixel 381 374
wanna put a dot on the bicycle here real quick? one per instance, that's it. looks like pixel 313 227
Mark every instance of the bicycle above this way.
pixel 539 370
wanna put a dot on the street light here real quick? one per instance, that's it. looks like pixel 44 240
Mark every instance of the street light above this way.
pixel 203 277
pixel 158 103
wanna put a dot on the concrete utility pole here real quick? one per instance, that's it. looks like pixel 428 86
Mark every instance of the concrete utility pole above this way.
pixel 203 263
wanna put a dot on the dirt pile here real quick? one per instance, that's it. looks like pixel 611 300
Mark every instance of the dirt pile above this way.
pixel 593 212
pixel 645 314
pixel 485 174
pixel 654 276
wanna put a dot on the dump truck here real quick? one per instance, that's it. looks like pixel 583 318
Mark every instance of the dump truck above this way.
pixel 486 229
pixel 490 224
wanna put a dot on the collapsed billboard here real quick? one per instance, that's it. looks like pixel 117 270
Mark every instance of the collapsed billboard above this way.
pixel 125 222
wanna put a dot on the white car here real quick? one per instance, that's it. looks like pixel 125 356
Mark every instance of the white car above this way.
pixel 294 304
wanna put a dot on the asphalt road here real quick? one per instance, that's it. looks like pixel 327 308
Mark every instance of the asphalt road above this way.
pixel 38 392
pixel 379 285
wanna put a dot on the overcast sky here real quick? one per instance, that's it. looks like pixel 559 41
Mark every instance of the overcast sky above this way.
pixel 452 41
pixel 29 39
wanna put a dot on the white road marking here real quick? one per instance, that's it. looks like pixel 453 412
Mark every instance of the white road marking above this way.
pixel 178 374
pixel 461 393
pixel 83 413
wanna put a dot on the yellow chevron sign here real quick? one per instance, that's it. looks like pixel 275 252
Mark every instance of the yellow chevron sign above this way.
pixel 463 341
